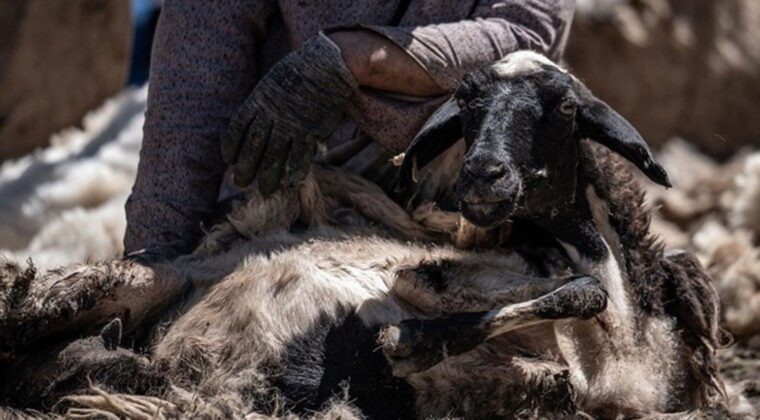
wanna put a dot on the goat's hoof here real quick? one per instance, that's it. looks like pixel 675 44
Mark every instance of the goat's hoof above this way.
pixel 398 344
pixel 583 297
pixel 416 345
pixel 392 343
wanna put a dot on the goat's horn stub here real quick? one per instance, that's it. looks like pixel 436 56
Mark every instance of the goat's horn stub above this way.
pixel 599 122
pixel 440 132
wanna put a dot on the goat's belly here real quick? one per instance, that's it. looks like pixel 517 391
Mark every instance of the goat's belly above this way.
pixel 302 319
pixel 267 302
pixel 306 317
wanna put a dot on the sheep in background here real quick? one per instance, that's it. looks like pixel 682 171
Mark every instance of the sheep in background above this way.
pixel 301 311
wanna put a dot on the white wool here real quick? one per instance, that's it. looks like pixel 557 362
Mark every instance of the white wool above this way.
pixel 522 62
pixel 745 212
pixel 734 263
pixel 739 288
pixel 78 235
pixel 686 166
pixel 64 204
pixel 594 8
pixel 711 236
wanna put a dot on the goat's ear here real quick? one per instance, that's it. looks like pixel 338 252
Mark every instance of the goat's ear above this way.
pixel 440 132
pixel 599 122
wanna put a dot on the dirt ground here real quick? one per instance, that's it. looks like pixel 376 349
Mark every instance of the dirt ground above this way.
pixel 742 365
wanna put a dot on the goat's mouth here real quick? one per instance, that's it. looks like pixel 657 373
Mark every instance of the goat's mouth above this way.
pixel 488 214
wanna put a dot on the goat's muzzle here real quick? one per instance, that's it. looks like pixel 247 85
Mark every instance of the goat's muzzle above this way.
pixel 488 193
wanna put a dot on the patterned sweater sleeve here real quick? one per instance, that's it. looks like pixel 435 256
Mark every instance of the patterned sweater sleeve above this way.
pixel 203 66
pixel 450 50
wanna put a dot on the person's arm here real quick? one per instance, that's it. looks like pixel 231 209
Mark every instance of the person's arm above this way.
pixel 302 97
pixel 447 51
pixel 378 63
pixel 431 60
pixel 203 65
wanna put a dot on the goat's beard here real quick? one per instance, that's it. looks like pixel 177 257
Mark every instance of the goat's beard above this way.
pixel 488 215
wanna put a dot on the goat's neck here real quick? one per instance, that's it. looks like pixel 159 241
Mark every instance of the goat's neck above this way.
pixel 593 245
pixel 604 351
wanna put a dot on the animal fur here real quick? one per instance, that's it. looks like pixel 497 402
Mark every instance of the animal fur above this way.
pixel 254 317
pixel 197 353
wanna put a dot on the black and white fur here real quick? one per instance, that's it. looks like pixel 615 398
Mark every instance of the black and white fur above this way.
pixel 524 121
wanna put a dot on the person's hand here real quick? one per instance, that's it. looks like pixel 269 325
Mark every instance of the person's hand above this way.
pixel 301 99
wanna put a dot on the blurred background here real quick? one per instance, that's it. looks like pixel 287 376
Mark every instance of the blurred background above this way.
pixel 686 73
pixel 684 68
pixel 60 59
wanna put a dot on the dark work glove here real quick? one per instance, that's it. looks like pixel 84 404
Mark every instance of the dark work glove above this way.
pixel 301 99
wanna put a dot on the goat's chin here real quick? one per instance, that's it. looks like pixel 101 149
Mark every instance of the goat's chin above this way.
pixel 488 215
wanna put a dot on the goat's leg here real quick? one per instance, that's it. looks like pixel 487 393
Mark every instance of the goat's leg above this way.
pixel 42 378
pixel 495 380
pixel 416 345
pixel 445 286
pixel 78 300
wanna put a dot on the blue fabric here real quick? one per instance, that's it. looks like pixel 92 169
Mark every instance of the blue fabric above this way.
pixel 144 19
pixel 142 10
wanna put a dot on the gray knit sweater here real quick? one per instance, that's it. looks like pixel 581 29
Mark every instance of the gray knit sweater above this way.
pixel 208 55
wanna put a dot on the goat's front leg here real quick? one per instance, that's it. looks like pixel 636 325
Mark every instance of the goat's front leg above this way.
pixel 415 345
pixel 472 284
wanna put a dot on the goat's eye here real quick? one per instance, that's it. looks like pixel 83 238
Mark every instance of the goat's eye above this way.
pixel 567 108
pixel 461 103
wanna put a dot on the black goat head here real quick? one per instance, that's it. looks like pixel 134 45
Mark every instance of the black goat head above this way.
pixel 522 119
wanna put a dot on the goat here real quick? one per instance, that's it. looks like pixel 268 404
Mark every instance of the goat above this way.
pixel 299 310
pixel 332 289
pixel 512 116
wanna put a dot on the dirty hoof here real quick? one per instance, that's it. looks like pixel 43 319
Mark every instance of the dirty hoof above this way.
pixel 407 350
pixel 110 335
pixel 416 345
pixel 583 297
pixel 392 343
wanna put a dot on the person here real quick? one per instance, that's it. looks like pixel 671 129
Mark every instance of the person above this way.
pixel 256 84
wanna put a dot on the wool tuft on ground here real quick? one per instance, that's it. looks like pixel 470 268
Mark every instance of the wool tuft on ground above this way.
pixel 65 204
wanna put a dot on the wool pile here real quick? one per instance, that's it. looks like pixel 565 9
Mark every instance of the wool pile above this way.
pixel 65 204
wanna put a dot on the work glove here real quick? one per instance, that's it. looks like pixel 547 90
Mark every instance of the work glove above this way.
pixel 299 101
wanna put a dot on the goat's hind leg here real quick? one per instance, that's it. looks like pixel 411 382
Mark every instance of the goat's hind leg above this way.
pixel 78 300
pixel 416 345
pixel 43 377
